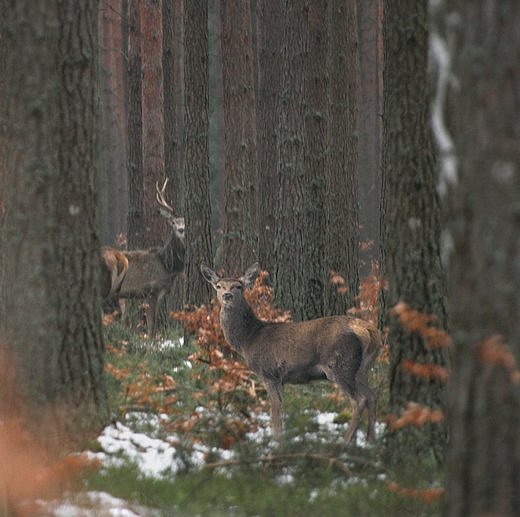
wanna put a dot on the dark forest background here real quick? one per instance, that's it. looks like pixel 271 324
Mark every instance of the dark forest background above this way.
pixel 339 138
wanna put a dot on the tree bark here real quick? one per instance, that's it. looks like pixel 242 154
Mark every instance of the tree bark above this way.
pixel 410 227
pixel 155 229
pixel 484 226
pixel 342 211
pixel 51 326
pixel 240 238
pixel 196 169
pixel 269 43
pixel 288 271
pixel 369 127
pixel 136 213
pixel 114 195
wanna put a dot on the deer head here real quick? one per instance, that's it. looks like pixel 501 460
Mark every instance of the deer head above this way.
pixel 166 210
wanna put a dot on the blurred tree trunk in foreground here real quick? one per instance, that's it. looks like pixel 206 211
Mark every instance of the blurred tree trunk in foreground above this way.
pixel 51 322
pixel 484 454
pixel 410 226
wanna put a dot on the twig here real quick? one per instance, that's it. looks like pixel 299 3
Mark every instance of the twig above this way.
pixel 334 462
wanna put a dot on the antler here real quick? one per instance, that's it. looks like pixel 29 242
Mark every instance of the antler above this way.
pixel 160 196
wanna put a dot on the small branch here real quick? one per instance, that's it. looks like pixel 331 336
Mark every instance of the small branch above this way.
pixel 333 462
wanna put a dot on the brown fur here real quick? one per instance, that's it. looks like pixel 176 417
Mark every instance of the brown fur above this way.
pixel 337 348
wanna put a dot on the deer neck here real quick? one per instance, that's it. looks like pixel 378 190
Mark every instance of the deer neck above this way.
pixel 172 254
pixel 239 324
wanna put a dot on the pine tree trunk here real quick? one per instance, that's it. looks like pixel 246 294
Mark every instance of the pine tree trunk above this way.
pixel 484 222
pixel 51 327
pixel 342 252
pixel 410 228
pixel 156 230
pixel 114 195
pixel 196 170
pixel 269 37
pixel 289 240
pixel 136 213
pixel 240 239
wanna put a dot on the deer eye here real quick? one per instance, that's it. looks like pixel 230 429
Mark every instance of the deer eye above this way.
pixel 218 286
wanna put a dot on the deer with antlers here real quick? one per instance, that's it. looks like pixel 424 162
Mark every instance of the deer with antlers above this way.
pixel 147 274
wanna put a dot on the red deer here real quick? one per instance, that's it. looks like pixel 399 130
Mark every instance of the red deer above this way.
pixel 150 272
pixel 337 348
pixel 113 271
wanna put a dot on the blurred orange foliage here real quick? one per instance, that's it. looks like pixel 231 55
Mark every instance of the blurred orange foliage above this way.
pixel 416 321
pixel 428 495
pixel 29 472
pixel 417 415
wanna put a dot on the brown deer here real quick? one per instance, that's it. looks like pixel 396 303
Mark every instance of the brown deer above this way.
pixel 337 348
pixel 150 272
pixel 114 267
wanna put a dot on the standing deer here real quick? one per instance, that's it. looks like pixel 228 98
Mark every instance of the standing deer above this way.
pixel 337 348
pixel 150 272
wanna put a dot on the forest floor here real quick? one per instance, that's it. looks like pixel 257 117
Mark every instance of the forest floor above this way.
pixel 185 440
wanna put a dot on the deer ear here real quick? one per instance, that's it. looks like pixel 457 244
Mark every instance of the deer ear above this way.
pixel 209 275
pixel 249 276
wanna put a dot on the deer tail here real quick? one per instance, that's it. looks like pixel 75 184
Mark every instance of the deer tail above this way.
pixel 371 340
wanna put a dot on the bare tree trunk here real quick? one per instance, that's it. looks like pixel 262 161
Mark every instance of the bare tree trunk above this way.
pixel 369 127
pixel 484 225
pixel 114 198
pixel 342 251
pixel 196 169
pixel 136 215
pixel 410 222
pixel 153 117
pixel 240 238
pixel 51 327
pixel 289 239
pixel 269 59
pixel 173 60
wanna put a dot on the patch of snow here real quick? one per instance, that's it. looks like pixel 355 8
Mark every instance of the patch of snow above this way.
pixel 171 343
pixel 94 504
pixel 154 457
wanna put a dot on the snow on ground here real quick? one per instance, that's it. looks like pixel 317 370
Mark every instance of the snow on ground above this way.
pixel 160 458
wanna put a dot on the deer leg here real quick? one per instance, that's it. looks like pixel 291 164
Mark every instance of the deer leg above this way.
pixel 370 403
pixel 359 406
pixel 152 313
pixel 349 386
pixel 274 391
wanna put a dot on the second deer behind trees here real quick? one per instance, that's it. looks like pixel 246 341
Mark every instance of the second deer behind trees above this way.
pixel 338 348
pixel 150 272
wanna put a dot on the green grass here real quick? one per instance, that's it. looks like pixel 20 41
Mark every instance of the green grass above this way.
pixel 304 482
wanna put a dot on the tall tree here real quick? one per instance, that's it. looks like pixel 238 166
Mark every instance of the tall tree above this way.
pixel 196 168
pixel 342 228
pixel 410 228
pixel 173 121
pixel 316 120
pixel 50 327
pixel 114 194
pixel 369 127
pixel 152 116
pixel 290 231
pixel 240 238
pixel 484 223
pixel 269 35
pixel 136 215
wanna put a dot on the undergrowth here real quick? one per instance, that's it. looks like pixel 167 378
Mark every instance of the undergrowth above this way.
pixel 205 395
